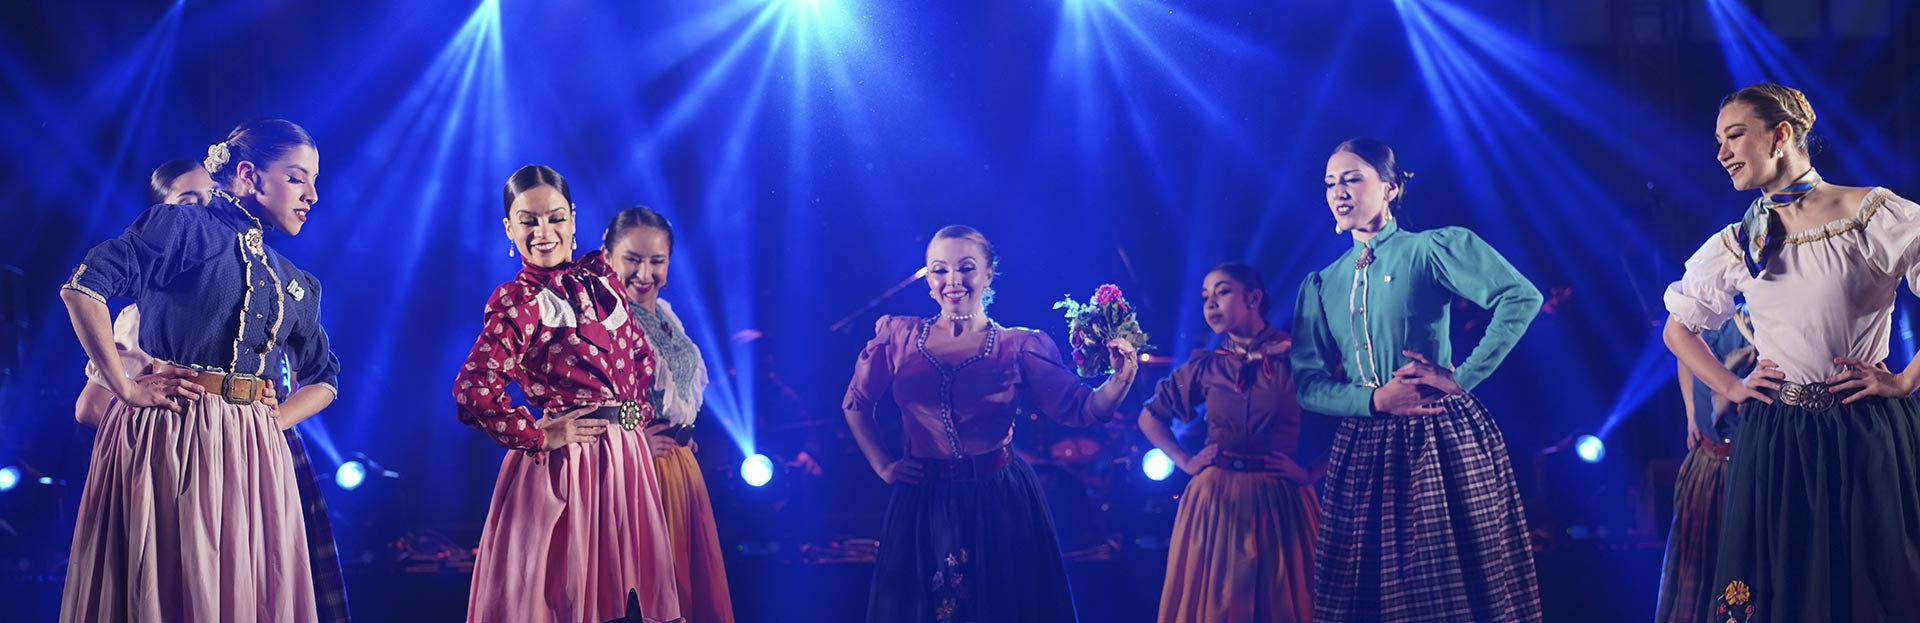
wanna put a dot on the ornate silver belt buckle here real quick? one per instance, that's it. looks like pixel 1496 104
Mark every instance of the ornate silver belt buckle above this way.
pixel 1815 397
pixel 630 415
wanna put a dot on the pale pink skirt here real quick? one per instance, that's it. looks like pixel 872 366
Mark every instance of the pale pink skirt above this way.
pixel 569 534
pixel 190 517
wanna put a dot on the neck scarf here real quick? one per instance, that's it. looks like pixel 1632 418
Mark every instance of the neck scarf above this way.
pixel 1759 228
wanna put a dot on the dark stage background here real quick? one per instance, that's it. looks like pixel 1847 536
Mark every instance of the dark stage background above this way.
pixel 807 149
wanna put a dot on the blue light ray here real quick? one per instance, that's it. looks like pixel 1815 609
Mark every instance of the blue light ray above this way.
pixel 1755 54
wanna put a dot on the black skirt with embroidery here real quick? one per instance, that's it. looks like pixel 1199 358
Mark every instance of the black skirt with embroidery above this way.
pixel 974 551
pixel 1822 515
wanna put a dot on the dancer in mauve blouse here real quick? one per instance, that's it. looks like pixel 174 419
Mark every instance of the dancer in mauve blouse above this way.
pixel 967 535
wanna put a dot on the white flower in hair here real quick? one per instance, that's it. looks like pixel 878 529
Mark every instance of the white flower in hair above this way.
pixel 216 156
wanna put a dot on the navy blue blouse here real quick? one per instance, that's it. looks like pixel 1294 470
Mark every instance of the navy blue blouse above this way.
pixel 1723 342
pixel 212 295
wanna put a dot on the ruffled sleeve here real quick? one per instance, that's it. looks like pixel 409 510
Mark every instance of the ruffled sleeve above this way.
pixel 1893 235
pixel 126 344
pixel 1051 384
pixel 166 240
pixel 1703 297
pixel 480 390
pixel 873 372
pixel 1178 396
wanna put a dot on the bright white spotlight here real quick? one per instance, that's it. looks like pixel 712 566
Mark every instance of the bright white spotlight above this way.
pixel 1157 465
pixel 757 470
pixel 1590 449
pixel 9 477
pixel 350 475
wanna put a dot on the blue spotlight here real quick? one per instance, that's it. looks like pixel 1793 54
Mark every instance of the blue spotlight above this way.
pixel 1590 449
pixel 9 477
pixel 757 470
pixel 350 475
pixel 1157 465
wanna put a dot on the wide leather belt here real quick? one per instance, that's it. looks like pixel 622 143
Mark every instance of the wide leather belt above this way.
pixel 629 415
pixel 1719 449
pixel 236 389
pixel 682 434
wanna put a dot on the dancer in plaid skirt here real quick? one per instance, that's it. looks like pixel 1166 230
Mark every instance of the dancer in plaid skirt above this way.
pixel 1421 521
pixel 1687 591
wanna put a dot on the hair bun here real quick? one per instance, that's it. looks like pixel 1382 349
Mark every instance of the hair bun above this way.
pixel 217 155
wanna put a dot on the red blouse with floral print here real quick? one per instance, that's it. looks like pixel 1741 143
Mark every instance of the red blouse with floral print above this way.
pixel 564 335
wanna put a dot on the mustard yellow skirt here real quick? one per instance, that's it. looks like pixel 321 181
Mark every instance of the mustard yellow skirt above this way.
pixel 1242 550
pixel 704 597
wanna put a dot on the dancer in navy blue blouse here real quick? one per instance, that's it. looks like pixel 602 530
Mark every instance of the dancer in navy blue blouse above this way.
pixel 191 512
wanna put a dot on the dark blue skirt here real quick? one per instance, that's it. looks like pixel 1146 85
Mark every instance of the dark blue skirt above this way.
pixel 1822 519
pixel 970 552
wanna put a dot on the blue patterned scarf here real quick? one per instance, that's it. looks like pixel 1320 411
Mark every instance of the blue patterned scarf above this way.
pixel 1758 228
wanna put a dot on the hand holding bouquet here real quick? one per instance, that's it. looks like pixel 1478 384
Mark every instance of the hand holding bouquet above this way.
pixel 1102 330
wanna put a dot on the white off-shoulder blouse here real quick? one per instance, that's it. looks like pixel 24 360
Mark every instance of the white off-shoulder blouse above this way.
pixel 1829 293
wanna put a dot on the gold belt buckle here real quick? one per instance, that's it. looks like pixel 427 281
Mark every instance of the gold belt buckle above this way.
pixel 630 415
pixel 240 389
pixel 1815 397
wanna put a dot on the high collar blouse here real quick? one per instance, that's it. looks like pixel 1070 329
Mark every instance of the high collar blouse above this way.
pixel 565 336
pixel 1353 318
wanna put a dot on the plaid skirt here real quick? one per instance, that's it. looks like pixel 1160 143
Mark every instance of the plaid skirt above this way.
pixel 1422 522
pixel 1687 590
pixel 329 589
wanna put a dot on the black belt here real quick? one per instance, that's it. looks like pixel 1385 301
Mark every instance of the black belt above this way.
pixel 629 415
pixel 682 434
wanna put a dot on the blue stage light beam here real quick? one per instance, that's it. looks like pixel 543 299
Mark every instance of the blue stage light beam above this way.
pixel 1755 54
pixel 1652 370
pixel 448 128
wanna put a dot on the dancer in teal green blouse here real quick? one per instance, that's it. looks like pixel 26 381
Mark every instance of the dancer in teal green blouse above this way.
pixel 1402 301
pixel 1422 519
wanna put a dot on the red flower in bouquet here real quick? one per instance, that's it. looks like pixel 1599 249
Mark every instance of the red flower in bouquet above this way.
pixel 1105 317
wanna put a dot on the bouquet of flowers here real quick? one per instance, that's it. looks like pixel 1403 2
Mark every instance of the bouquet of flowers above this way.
pixel 1107 316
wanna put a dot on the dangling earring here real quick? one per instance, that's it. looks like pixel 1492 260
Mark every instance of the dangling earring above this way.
pixel 1778 153
pixel 509 250
pixel 575 242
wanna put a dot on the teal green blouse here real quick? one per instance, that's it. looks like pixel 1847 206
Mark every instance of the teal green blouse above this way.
pixel 1361 318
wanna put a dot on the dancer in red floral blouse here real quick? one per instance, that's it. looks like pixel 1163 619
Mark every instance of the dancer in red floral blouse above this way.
pixel 575 526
